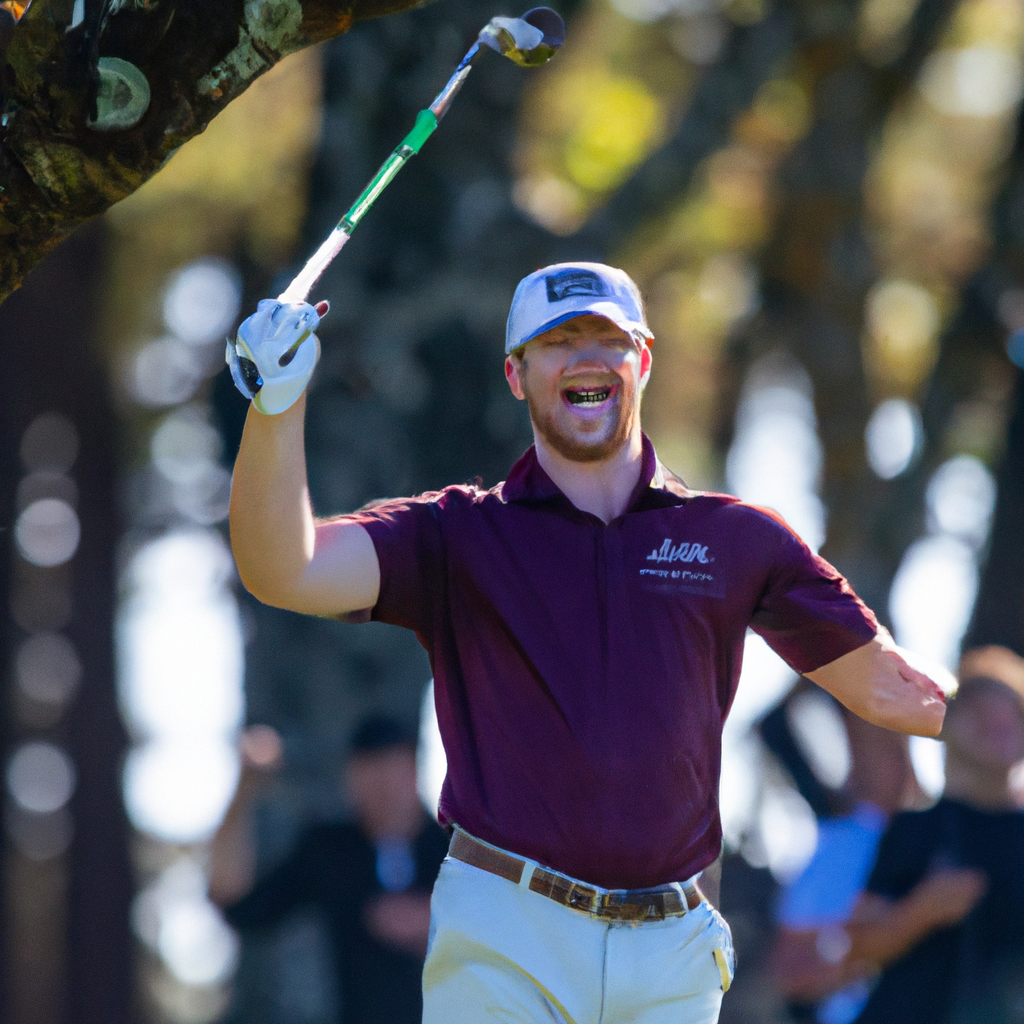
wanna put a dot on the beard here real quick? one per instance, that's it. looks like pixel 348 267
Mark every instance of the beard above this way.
pixel 594 447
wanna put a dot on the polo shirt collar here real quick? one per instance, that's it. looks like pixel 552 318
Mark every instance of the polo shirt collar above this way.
pixel 528 481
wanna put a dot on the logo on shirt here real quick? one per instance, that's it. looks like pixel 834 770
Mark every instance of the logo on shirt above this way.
pixel 683 568
pixel 685 552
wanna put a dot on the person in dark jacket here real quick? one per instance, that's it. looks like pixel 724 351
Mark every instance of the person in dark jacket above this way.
pixel 371 877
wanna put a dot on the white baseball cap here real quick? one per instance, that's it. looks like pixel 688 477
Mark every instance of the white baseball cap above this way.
pixel 552 295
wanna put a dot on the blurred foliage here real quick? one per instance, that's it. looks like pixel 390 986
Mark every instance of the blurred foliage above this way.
pixel 596 114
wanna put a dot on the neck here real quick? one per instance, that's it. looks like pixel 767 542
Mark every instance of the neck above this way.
pixel 978 785
pixel 600 488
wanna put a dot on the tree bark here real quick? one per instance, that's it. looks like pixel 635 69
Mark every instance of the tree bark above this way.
pixel 76 131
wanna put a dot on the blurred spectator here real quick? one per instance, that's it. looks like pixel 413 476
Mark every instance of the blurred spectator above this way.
pixel 371 877
pixel 748 897
pixel 943 915
pixel 811 944
pixel 776 729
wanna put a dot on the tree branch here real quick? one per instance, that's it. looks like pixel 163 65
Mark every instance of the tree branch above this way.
pixel 98 95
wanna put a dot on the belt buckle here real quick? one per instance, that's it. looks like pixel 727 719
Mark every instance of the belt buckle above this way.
pixel 584 899
pixel 645 906
pixel 632 906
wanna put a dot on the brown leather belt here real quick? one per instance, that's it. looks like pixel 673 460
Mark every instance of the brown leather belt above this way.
pixel 610 904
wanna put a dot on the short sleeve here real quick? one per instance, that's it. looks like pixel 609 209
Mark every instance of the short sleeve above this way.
pixel 808 614
pixel 406 535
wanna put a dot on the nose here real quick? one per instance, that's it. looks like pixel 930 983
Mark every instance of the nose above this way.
pixel 593 355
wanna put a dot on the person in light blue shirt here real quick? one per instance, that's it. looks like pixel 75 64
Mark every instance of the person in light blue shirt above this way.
pixel 811 942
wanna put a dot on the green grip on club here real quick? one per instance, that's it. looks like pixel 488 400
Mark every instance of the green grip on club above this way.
pixel 426 122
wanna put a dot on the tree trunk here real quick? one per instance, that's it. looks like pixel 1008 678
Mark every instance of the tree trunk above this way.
pixel 999 610
pixel 66 944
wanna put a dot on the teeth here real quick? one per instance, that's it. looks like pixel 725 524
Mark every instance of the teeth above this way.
pixel 590 396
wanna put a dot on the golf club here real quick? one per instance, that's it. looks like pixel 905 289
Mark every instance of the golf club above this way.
pixel 529 41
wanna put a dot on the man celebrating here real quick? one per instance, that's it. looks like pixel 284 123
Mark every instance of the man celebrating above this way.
pixel 585 622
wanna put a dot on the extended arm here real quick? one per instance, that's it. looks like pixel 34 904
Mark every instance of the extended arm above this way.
pixel 812 963
pixel 285 557
pixel 882 930
pixel 878 683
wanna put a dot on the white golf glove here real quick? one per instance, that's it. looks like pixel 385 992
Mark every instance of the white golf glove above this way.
pixel 275 353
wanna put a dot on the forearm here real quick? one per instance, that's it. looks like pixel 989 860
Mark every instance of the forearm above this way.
pixel 232 865
pixel 882 932
pixel 876 683
pixel 802 973
pixel 272 527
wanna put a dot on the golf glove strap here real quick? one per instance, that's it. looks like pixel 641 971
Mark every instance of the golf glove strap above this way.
pixel 274 354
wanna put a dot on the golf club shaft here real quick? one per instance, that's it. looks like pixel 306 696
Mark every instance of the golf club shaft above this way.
pixel 426 122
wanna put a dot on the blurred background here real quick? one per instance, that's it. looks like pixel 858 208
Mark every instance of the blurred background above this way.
pixel 823 201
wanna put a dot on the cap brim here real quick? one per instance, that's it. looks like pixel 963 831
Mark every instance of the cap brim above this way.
pixel 608 310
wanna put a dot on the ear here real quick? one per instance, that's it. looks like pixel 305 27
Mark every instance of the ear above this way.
pixel 514 374
pixel 646 357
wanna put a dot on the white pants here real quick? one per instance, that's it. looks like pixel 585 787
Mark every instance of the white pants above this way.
pixel 499 951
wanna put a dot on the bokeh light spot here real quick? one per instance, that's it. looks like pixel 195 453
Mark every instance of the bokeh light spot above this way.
pixel 961 498
pixel 47 668
pixel 893 437
pixel 40 837
pixel 40 777
pixel 47 532
pixel 928 758
pixel 178 790
pixel 184 444
pixel 50 442
pixel 903 323
pixel 818 727
pixel 775 458
pixel 978 81
pixel 202 301
pixel 932 596
pixel 164 372
pixel 196 944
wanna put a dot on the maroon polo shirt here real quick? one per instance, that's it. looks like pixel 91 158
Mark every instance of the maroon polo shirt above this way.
pixel 583 670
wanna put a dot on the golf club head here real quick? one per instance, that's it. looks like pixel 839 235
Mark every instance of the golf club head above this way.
pixel 530 40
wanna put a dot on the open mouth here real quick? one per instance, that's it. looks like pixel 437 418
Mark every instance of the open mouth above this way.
pixel 587 396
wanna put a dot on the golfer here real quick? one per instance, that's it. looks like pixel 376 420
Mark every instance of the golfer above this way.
pixel 585 622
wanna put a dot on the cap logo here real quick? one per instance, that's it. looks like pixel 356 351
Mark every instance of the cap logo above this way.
pixel 574 282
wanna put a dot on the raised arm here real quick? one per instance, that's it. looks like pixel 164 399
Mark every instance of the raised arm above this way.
pixel 284 556
pixel 232 864
pixel 878 683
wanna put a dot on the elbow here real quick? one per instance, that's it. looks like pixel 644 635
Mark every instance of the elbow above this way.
pixel 261 571
pixel 269 591
pixel 266 586
pixel 251 578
